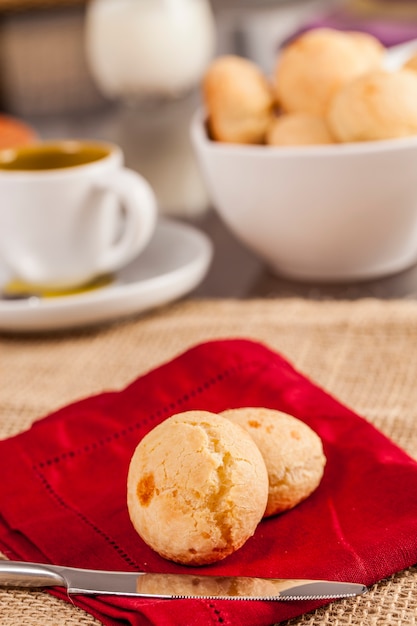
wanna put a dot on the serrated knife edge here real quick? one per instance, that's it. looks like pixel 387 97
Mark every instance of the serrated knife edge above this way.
pixel 172 586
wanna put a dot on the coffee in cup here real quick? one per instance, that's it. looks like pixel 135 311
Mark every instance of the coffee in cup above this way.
pixel 70 211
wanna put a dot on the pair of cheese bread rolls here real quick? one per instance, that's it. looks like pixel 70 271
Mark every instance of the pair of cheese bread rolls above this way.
pixel 199 483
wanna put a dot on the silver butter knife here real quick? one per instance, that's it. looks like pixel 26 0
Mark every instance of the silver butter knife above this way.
pixel 171 586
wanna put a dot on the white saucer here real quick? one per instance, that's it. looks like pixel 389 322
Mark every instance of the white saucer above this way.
pixel 175 262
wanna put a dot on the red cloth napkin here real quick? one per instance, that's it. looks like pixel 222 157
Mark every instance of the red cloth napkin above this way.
pixel 63 486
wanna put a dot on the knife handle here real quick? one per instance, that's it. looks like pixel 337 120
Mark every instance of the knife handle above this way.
pixel 17 574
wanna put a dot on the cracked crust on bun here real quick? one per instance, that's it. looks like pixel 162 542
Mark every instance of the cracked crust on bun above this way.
pixel 197 488
pixel 292 451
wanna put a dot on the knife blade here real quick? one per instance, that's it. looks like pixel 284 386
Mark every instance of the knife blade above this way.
pixel 171 586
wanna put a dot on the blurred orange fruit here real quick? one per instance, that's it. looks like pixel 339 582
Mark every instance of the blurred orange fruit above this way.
pixel 14 132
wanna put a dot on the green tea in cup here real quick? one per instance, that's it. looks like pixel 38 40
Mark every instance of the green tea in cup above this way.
pixel 70 211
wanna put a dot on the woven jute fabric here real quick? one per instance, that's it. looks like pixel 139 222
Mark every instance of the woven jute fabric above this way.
pixel 363 352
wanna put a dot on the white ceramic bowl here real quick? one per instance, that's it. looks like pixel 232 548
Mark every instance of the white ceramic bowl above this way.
pixel 339 212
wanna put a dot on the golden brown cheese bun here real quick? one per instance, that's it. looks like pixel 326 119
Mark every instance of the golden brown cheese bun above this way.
pixel 292 451
pixel 411 63
pixel 379 105
pixel 312 68
pixel 197 488
pixel 238 99
pixel 298 129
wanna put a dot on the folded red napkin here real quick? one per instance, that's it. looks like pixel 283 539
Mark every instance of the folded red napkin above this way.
pixel 63 486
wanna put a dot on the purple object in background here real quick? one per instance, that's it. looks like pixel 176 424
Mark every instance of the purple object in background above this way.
pixel 389 29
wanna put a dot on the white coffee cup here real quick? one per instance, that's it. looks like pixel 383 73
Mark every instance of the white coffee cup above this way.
pixel 70 211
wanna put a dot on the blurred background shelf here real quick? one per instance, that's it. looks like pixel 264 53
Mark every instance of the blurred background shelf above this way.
pixel 43 65
pixel 37 5
pixel 43 68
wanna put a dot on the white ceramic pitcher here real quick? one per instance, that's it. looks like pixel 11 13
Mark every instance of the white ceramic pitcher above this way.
pixel 140 48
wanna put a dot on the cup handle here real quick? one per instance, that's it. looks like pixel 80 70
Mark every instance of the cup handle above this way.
pixel 139 203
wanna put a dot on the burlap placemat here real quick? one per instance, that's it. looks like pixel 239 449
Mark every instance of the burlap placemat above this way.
pixel 364 353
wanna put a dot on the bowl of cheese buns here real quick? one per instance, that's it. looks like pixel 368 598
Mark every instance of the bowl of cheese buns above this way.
pixel 313 168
